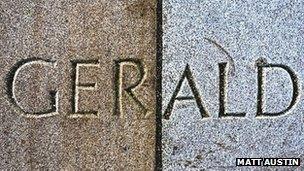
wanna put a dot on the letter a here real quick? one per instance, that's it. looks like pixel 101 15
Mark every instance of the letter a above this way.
pixel 196 96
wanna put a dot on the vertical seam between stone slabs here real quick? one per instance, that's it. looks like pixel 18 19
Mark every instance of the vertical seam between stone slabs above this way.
pixel 158 87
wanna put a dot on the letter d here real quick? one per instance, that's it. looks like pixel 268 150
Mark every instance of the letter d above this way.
pixel 260 96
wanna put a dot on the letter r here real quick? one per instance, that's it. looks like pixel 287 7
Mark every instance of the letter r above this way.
pixel 119 65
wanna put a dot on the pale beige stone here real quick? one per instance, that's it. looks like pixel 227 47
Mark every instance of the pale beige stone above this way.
pixel 63 31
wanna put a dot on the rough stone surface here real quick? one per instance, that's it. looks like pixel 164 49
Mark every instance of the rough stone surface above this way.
pixel 62 31
pixel 243 34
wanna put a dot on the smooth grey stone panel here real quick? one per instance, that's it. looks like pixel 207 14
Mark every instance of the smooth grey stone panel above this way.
pixel 245 35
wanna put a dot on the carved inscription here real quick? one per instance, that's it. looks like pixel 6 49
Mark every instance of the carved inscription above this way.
pixel 119 65
pixel 223 84
pixel 11 81
pixel 119 87
pixel 223 72
pixel 78 86
pixel 187 74
pixel 261 65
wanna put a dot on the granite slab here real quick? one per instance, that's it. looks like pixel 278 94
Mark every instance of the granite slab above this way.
pixel 232 82
pixel 77 84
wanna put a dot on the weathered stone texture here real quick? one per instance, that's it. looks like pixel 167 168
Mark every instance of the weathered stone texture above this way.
pixel 243 34
pixel 62 31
